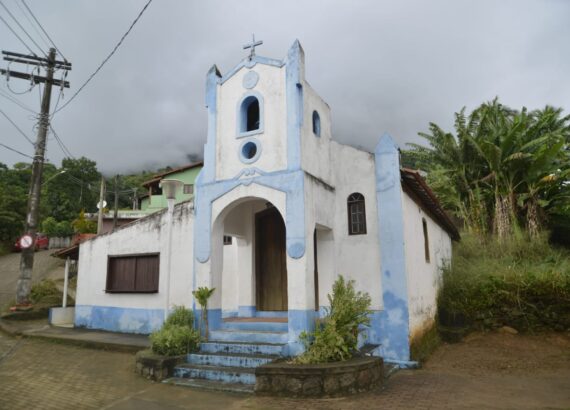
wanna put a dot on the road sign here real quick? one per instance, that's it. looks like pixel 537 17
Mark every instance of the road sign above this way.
pixel 26 241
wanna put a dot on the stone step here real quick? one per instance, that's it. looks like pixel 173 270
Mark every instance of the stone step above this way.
pixel 210 385
pixel 223 374
pixel 255 326
pixel 243 348
pixel 229 359
pixel 250 336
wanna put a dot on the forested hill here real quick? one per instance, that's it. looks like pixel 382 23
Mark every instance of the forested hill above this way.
pixel 66 191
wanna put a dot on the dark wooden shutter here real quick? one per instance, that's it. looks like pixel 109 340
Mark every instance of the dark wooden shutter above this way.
pixel 147 274
pixel 121 274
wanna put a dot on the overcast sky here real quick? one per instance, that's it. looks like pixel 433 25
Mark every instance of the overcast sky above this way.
pixel 382 67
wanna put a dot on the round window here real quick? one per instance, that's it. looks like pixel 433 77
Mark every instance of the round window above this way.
pixel 249 150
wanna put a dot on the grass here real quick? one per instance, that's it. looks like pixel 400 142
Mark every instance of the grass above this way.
pixel 521 283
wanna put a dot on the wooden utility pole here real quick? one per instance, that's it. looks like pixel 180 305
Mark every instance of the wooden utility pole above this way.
pixel 101 207
pixel 116 205
pixel 27 258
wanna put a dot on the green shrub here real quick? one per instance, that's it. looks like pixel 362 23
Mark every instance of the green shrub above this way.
pixel 45 293
pixel 521 283
pixel 174 340
pixel 336 336
pixel 180 316
pixel 56 229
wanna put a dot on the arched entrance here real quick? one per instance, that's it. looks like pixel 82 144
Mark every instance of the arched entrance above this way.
pixel 250 234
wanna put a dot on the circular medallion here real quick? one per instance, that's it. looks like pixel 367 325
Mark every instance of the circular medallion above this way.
pixel 250 79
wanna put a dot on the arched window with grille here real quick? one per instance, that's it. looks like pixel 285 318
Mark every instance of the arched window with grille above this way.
pixel 316 124
pixel 356 214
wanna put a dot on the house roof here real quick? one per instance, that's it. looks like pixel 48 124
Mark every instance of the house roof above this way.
pixel 156 178
pixel 415 185
pixel 73 250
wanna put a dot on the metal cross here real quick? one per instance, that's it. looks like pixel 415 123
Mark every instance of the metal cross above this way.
pixel 252 46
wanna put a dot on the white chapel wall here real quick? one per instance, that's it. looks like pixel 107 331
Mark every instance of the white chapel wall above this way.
pixel 148 235
pixel 423 277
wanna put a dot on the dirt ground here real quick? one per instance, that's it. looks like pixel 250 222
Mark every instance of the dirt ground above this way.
pixel 45 266
pixel 486 371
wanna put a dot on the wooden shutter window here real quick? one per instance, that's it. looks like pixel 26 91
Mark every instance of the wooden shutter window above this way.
pixel 188 189
pixel 133 273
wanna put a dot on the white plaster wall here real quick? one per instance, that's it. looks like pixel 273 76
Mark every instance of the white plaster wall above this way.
pixel 357 256
pixel 230 277
pixel 271 86
pixel 147 235
pixel 315 151
pixel 423 277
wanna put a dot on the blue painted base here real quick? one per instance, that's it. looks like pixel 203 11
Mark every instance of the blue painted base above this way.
pixel 270 313
pixel 246 311
pixel 214 320
pixel 117 319
pixel 299 321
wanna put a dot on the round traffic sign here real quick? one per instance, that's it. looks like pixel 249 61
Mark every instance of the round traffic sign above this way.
pixel 26 241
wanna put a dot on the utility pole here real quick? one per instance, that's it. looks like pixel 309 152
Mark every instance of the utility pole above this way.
pixel 135 199
pixel 101 207
pixel 116 205
pixel 50 64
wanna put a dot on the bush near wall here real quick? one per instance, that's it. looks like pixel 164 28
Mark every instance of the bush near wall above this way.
pixel 521 283
pixel 177 335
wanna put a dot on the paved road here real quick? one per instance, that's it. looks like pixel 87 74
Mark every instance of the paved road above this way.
pixel 490 371
pixel 44 266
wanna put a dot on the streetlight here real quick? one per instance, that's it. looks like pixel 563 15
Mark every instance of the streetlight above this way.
pixel 54 175
pixel 169 188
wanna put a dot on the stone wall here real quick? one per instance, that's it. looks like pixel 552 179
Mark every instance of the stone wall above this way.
pixel 156 367
pixel 320 380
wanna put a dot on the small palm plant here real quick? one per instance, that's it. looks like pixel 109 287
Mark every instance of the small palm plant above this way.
pixel 202 295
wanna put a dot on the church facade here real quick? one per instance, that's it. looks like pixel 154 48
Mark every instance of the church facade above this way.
pixel 280 210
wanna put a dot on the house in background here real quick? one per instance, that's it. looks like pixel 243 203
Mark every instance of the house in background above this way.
pixel 154 200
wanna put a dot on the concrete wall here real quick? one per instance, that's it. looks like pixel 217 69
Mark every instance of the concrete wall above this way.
pixel 136 313
pixel 423 277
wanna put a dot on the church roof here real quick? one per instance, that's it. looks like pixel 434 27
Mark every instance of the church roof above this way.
pixel 414 184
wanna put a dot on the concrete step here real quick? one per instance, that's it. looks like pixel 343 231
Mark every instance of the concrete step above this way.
pixel 223 374
pixel 243 348
pixel 255 326
pixel 229 359
pixel 210 385
pixel 250 336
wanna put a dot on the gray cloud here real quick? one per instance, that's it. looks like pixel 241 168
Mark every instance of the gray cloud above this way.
pixel 382 67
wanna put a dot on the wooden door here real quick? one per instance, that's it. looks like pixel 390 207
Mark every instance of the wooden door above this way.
pixel 270 261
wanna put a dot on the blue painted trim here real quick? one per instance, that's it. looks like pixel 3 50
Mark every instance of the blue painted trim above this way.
pixel 292 183
pixel 299 321
pixel 271 313
pixel 295 67
pixel 391 326
pixel 246 62
pixel 229 313
pixel 258 147
pixel 241 116
pixel 246 311
pixel 118 319
pixel 208 172
pixel 214 320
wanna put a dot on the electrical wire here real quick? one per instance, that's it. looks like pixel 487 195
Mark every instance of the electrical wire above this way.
pixel 18 128
pixel 45 32
pixel 15 150
pixel 18 37
pixel 32 24
pixel 17 102
pixel 64 149
pixel 106 59
pixel 22 28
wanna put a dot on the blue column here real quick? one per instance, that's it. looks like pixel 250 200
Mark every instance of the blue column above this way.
pixel 391 327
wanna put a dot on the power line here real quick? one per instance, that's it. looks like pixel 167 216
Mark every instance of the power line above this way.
pixel 22 27
pixel 19 38
pixel 107 58
pixel 16 151
pixel 17 102
pixel 31 23
pixel 64 149
pixel 45 32
pixel 18 128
